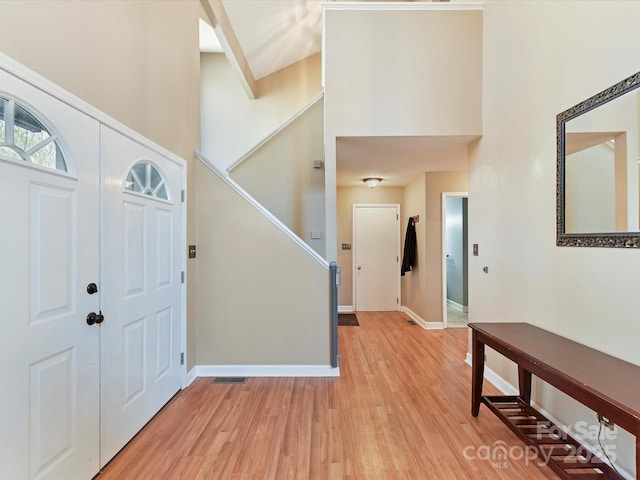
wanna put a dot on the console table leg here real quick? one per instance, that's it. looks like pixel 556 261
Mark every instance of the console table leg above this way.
pixel 524 382
pixel 477 373
pixel 637 451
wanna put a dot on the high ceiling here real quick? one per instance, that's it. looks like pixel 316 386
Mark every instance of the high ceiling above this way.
pixel 273 34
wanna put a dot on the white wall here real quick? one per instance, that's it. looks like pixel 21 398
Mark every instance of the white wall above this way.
pixel 540 58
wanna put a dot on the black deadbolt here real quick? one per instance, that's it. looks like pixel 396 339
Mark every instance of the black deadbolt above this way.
pixel 94 317
pixel 92 288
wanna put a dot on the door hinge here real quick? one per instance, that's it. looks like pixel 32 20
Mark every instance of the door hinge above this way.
pixel 397 217
pixel 397 301
pixel 182 358
pixel 182 196
pixel 182 276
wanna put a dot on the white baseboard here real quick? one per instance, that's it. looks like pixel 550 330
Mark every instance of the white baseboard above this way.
pixel 508 389
pixel 457 306
pixel 345 309
pixel 423 323
pixel 191 376
pixel 499 382
pixel 454 304
pixel 265 371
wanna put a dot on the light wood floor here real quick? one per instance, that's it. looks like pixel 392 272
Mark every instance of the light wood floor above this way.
pixel 400 410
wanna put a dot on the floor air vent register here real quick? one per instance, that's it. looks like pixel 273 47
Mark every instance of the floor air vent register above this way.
pixel 229 380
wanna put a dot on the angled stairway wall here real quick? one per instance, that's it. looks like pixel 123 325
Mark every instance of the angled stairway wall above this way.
pixel 263 294
pixel 279 172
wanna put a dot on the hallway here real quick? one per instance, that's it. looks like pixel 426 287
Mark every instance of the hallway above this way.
pixel 401 409
pixel 456 318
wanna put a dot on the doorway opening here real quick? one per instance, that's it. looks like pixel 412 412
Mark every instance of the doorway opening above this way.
pixel 455 260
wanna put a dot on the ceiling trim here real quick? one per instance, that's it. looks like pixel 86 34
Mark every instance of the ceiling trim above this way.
pixel 453 5
pixel 230 44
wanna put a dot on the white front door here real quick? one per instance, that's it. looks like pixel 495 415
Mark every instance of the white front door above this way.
pixel 49 243
pixel 141 287
pixel 376 240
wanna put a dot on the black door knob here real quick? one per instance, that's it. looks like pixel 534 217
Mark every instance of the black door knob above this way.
pixel 92 288
pixel 94 317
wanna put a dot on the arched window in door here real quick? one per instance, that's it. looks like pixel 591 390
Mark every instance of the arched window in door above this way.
pixel 147 179
pixel 23 137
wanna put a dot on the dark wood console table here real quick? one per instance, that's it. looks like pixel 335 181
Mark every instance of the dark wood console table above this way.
pixel 607 385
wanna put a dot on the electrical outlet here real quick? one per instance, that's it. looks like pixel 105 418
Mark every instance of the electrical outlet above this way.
pixel 606 422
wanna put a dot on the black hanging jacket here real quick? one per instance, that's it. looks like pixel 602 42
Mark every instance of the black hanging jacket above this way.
pixel 410 248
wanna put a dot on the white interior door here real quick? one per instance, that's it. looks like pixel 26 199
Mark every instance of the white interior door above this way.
pixel 376 243
pixel 142 287
pixel 49 365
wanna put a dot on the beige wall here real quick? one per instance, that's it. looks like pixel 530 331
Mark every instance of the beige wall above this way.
pixel 346 198
pixel 281 176
pixel 233 124
pixel 422 288
pixel 262 299
pixel 423 76
pixel 118 57
pixel 540 58
pixel 436 183
pixel 414 283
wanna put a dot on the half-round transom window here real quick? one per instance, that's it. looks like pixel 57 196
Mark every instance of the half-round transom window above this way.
pixel 146 179
pixel 24 138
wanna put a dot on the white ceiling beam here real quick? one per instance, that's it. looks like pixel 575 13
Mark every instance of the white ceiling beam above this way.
pixel 229 41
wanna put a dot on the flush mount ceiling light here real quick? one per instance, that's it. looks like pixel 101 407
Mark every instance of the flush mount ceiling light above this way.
pixel 371 182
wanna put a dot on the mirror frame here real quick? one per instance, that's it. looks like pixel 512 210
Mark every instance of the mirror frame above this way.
pixel 607 239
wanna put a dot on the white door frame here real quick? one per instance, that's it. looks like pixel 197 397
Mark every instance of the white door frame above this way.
pixel 446 195
pixel 353 256
pixel 183 328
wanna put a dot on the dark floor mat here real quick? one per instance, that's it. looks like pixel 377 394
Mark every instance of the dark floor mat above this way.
pixel 348 320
